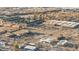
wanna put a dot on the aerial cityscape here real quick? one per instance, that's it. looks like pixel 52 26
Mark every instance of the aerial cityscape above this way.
pixel 39 29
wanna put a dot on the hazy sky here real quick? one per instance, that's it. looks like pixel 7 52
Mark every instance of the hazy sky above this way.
pixel 38 3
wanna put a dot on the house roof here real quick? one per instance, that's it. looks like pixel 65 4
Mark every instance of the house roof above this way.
pixel 19 32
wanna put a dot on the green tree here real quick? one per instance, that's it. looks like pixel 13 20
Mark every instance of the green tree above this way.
pixel 17 46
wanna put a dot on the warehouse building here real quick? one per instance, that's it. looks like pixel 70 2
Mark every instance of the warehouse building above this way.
pixel 63 23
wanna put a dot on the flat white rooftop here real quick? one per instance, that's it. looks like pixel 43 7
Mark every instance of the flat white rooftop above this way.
pixel 62 23
pixel 30 47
